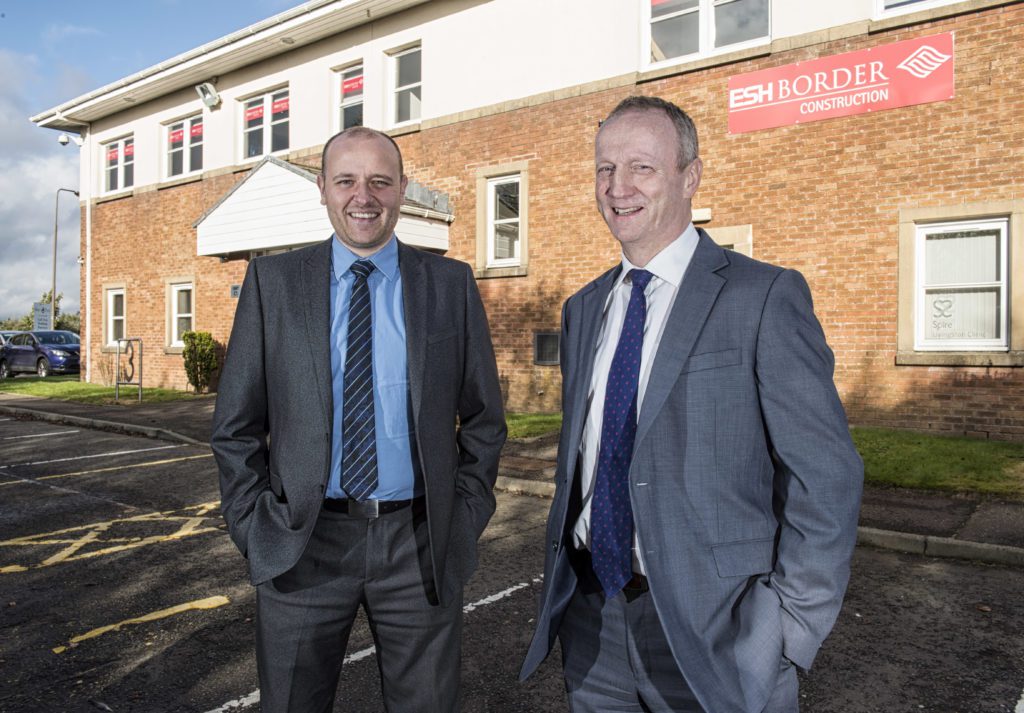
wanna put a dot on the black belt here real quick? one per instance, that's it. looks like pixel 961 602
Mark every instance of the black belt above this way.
pixel 367 509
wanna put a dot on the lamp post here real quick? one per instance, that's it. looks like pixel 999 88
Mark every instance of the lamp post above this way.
pixel 53 288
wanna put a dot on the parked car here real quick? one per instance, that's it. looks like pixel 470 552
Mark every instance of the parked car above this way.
pixel 42 353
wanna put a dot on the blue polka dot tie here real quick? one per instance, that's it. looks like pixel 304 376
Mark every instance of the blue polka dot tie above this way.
pixel 358 434
pixel 611 516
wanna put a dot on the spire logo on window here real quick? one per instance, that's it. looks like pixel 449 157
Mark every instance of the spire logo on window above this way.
pixel 924 61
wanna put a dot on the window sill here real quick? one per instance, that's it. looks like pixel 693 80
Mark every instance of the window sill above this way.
pixel 116 195
pixel 174 350
pixel 983 359
pixel 692 63
pixel 410 127
pixel 489 272
pixel 180 180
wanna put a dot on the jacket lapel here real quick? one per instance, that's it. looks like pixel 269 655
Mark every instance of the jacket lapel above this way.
pixel 316 292
pixel 414 300
pixel 697 294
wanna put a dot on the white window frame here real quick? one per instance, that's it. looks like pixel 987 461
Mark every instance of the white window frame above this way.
pixel 186 126
pixel 342 103
pixel 121 145
pixel 493 222
pixel 705 32
pixel 393 59
pixel 912 6
pixel 267 100
pixel 921 303
pixel 175 335
pixel 110 318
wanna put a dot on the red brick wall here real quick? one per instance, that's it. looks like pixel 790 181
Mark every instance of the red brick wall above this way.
pixel 822 198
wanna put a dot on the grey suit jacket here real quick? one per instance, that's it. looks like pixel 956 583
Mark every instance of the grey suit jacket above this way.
pixel 273 421
pixel 745 485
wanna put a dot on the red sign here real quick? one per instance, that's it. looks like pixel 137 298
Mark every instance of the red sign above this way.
pixel 901 74
pixel 176 136
pixel 253 113
pixel 112 155
pixel 349 86
pixel 280 106
pixel 196 130
pixel 129 150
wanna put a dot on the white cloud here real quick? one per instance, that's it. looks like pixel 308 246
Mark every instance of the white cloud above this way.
pixel 53 35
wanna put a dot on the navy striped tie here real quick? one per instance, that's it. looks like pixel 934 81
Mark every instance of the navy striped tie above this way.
pixel 611 516
pixel 359 442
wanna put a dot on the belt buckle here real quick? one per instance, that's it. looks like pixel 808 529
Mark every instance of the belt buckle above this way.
pixel 366 509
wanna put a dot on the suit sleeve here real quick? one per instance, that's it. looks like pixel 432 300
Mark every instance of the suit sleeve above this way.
pixel 818 474
pixel 482 431
pixel 239 437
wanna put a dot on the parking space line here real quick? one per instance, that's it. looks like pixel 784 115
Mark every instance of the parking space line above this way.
pixel 253 698
pixel 39 435
pixel 92 455
pixel 111 469
pixel 208 603
pixel 1020 704
pixel 111 536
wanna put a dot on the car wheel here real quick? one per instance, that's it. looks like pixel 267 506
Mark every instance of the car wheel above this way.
pixel 43 368
pixel 5 370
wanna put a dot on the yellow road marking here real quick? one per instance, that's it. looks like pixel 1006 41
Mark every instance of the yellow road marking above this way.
pixel 111 469
pixel 208 603
pixel 102 538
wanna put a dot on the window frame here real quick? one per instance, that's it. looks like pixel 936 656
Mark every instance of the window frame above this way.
pixel 267 100
pixel 187 125
pixel 881 11
pixel 109 340
pixel 341 103
pixel 174 287
pixel 493 221
pixel 121 145
pixel 921 288
pixel 705 34
pixel 485 266
pixel 394 57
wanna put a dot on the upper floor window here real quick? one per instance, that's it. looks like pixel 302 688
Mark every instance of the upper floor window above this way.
pixel 689 27
pixel 408 83
pixel 185 146
pixel 961 288
pixel 503 221
pixel 896 7
pixel 265 124
pixel 351 110
pixel 119 164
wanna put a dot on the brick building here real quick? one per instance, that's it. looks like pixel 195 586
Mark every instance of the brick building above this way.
pixel 906 220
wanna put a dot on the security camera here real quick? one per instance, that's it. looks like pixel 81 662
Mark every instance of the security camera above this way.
pixel 63 139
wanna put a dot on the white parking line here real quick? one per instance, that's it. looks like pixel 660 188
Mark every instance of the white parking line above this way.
pixel 1020 704
pixel 94 455
pixel 253 698
pixel 38 435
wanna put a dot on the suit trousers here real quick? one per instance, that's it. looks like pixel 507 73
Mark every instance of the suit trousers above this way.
pixel 616 657
pixel 304 617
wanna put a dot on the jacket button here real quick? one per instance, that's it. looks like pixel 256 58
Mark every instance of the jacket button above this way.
pixel 554 545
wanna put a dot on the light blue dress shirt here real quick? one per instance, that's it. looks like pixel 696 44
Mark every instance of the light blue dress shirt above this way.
pixel 397 471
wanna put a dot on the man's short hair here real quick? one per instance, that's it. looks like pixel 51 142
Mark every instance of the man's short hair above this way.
pixel 685 130
pixel 365 132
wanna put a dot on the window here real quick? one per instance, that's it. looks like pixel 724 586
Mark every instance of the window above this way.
pixel 897 7
pixel 119 167
pixel 115 323
pixel 688 27
pixel 261 136
pixel 545 348
pixel 961 286
pixel 181 312
pixel 185 146
pixel 408 75
pixel 503 221
pixel 351 111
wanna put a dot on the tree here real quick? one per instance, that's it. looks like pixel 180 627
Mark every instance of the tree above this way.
pixel 70 322
pixel 200 355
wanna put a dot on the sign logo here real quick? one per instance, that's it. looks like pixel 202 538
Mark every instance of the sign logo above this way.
pixel 924 61
pixel 890 76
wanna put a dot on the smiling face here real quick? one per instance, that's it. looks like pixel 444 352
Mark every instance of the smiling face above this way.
pixel 362 187
pixel 641 192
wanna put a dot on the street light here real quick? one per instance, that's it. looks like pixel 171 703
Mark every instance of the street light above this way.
pixel 53 288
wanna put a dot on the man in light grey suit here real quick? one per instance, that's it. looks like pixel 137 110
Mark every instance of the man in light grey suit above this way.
pixel 700 536
pixel 357 431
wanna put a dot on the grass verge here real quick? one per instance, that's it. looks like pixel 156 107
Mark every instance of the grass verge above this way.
pixel 69 388
pixel 527 425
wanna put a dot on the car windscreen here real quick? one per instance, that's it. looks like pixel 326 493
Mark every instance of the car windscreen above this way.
pixel 57 337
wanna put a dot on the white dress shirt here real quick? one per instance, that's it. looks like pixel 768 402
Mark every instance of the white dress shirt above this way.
pixel 668 268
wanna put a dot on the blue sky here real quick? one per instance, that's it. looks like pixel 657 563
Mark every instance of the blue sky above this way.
pixel 55 50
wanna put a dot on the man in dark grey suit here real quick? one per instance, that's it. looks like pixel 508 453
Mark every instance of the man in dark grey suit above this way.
pixel 707 487
pixel 357 431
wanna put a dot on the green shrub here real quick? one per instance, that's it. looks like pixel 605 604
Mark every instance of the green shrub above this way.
pixel 200 359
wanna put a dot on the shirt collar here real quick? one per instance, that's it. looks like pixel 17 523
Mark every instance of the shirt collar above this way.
pixel 385 260
pixel 670 264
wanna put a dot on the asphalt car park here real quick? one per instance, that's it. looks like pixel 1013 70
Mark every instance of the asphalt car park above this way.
pixel 121 591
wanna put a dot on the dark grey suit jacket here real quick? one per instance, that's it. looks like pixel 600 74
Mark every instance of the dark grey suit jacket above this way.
pixel 744 482
pixel 274 416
